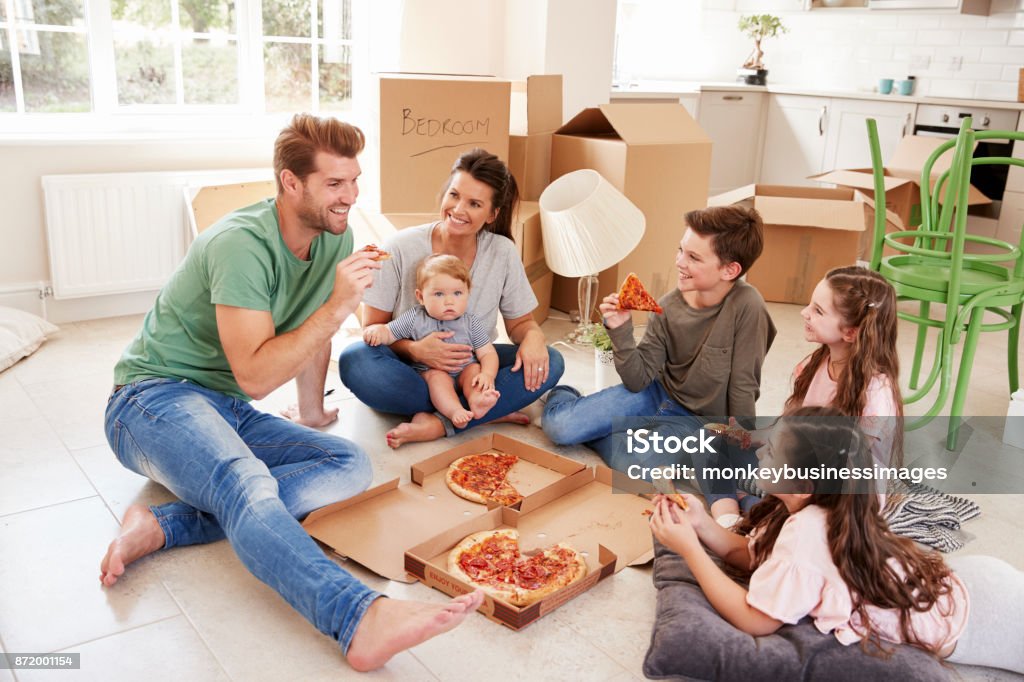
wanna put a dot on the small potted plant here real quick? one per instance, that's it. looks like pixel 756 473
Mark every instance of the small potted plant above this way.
pixel 605 374
pixel 757 27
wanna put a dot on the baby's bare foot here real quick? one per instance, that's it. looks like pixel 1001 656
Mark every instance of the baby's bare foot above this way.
pixel 481 402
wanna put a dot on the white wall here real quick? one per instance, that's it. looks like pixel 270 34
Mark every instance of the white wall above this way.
pixel 840 49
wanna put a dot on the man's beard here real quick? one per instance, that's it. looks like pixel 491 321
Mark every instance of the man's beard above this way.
pixel 312 219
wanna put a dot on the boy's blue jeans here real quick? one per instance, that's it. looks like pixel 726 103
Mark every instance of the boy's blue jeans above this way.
pixel 249 476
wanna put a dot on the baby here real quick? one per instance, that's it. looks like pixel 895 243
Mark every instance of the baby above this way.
pixel 442 289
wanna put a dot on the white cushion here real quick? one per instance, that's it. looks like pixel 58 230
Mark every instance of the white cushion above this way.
pixel 21 334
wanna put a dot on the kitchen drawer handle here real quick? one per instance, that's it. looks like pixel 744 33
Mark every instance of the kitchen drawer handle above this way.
pixel 821 121
pixel 906 126
pixel 732 98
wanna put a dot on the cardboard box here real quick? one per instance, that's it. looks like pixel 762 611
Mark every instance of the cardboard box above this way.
pixel 376 527
pixel 657 156
pixel 422 125
pixel 808 231
pixel 902 178
pixel 609 528
pixel 536 114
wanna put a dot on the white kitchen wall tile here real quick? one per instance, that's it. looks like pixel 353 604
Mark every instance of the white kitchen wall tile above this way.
pixel 919 21
pixel 984 37
pixel 1002 55
pixel 1006 20
pixel 870 53
pixel 996 90
pixel 894 37
pixel 1010 73
pixel 980 72
pixel 967 54
pixel 964 21
pixel 1000 6
pixel 1016 37
pixel 938 37
pixel 950 88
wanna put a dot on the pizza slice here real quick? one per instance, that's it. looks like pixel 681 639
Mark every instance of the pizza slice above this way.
pixel 732 432
pixel 633 296
pixel 378 253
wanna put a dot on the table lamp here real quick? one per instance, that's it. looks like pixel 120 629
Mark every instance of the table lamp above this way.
pixel 588 226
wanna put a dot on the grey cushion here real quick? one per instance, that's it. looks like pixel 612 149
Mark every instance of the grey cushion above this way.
pixel 691 641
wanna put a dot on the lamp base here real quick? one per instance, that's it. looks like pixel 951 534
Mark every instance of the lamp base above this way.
pixel 583 335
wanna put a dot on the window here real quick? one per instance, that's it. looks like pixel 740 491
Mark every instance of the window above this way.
pixel 175 56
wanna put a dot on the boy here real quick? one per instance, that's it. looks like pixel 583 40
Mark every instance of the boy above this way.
pixel 702 357
pixel 442 290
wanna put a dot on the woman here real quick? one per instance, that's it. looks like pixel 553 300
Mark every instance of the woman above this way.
pixel 475 225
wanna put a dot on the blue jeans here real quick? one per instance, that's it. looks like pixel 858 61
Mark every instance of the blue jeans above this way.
pixel 246 475
pixel 570 418
pixel 385 382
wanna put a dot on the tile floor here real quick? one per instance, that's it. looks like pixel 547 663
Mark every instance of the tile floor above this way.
pixel 196 614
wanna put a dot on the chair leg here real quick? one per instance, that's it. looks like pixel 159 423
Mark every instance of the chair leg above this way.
pixel 1013 348
pixel 922 338
pixel 963 376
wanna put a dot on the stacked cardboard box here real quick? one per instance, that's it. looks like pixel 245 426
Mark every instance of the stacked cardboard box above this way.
pixel 808 231
pixel 657 156
pixel 536 114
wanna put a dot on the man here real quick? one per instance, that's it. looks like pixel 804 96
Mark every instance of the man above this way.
pixel 254 304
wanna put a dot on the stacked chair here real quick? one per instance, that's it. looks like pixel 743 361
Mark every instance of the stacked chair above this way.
pixel 932 266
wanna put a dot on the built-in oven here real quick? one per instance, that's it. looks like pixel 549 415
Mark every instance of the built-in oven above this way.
pixel 939 120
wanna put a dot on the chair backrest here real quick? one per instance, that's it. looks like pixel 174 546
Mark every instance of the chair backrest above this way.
pixel 213 202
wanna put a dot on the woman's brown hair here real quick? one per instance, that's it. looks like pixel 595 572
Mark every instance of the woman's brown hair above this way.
pixel 487 168
pixel 880 568
pixel 867 302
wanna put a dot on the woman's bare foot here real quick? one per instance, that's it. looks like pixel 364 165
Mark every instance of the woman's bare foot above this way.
pixel 140 535
pixel 391 626
pixel 512 418
pixel 481 402
pixel 423 427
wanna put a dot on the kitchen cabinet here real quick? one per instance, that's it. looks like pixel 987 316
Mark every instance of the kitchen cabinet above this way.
pixel 846 144
pixel 794 139
pixel 809 135
pixel 733 122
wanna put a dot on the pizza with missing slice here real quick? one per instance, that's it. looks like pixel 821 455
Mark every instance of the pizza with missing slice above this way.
pixel 483 478
pixel 492 561
pixel 633 296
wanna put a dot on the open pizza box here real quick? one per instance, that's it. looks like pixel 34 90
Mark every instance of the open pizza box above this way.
pixel 587 510
pixel 376 527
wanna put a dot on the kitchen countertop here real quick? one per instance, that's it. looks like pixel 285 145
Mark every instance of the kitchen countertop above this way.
pixel 647 89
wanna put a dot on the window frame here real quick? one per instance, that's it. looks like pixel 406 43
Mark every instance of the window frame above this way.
pixel 107 119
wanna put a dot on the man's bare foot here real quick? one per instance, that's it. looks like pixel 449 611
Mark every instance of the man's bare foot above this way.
pixel 391 626
pixel 481 402
pixel 512 418
pixel 423 427
pixel 140 535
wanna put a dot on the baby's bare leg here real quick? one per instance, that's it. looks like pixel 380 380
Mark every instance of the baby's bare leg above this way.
pixel 480 401
pixel 444 397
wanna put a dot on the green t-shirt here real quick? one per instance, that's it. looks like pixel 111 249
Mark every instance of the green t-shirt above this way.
pixel 240 261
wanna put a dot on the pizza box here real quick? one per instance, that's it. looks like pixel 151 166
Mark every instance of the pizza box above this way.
pixel 376 527
pixel 586 510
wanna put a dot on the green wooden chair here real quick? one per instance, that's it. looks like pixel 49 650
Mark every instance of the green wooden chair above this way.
pixel 935 268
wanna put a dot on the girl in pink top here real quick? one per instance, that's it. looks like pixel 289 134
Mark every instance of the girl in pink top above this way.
pixel 820 548
pixel 852 315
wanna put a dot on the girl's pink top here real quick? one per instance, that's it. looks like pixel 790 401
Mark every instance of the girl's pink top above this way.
pixel 800 579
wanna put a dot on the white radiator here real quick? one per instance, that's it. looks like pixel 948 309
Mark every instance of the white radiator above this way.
pixel 115 233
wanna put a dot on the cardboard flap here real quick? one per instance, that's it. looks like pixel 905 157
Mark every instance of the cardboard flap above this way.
pixel 913 150
pixel 861 178
pixel 893 221
pixel 821 213
pixel 590 122
pixel 652 123
pixel 374 528
pixel 584 510
pixel 536 105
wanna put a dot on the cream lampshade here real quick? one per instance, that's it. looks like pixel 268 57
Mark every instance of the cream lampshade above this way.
pixel 588 226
